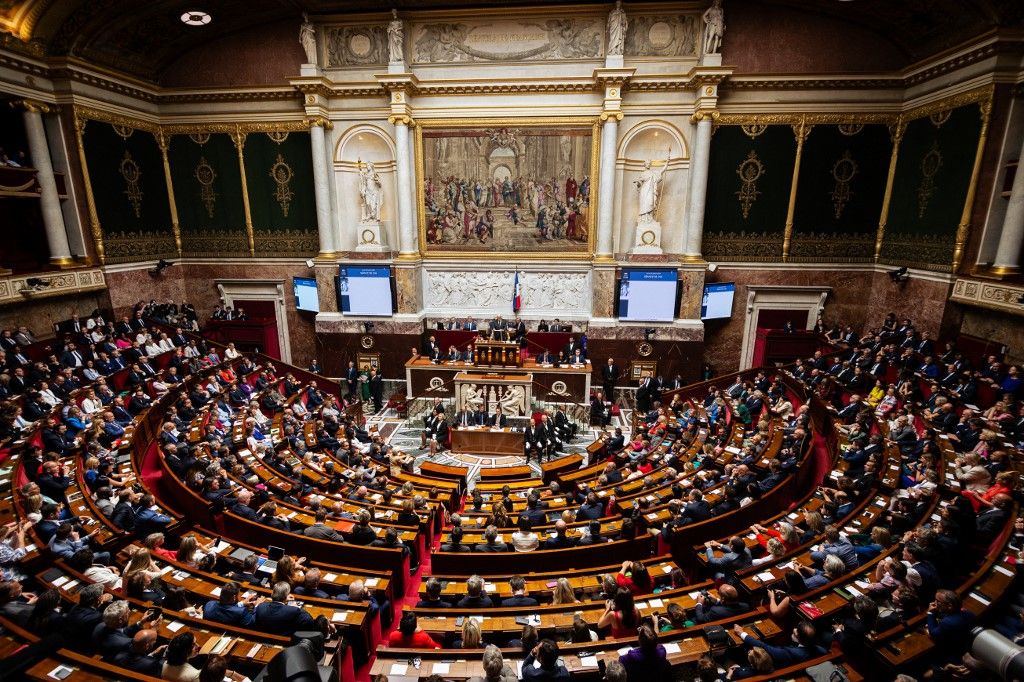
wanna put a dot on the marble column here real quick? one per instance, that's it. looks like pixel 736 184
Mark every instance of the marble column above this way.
pixel 606 189
pixel 1011 238
pixel 322 188
pixel 53 217
pixel 698 187
pixel 408 244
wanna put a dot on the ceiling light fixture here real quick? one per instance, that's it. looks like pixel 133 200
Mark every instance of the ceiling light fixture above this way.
pixel 196 18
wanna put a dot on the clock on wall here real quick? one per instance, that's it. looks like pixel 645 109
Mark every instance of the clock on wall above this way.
pixel 366 341
pixel 644 349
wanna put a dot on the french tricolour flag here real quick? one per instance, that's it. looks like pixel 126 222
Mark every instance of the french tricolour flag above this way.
pixel 517 295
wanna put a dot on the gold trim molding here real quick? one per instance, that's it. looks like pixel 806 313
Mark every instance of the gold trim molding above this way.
pixel 991 295
pixel 61 284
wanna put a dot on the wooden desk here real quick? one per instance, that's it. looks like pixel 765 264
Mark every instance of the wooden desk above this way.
pixel 486 441
pixel 425 379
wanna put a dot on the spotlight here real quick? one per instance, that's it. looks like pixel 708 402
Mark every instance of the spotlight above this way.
pixel 368 327
pixel 196 18
pixel 649 333
pixel 900 275
pixel 37 282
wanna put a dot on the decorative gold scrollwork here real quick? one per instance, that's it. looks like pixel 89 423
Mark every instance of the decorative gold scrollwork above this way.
pixel 750 171
pixel 938 118
pixel 850 129
pixel 930 165
pixel 123 130
pixel 278 136
pixel 199 138
pixel 131 173
pixel 753 130
pixel 282 174
pixel 205 176
pixel 843 171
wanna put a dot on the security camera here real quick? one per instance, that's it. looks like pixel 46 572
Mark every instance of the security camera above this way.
pixel 900 275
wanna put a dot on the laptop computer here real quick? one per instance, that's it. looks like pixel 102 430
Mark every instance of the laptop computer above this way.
pixel 274 554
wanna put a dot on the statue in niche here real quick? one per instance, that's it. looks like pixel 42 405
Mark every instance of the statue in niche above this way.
pixel 714 28
pixel 649 186
pixel 395 31
pixel 472 397
pixel 370 190
pixel 617 23
pixel 307 38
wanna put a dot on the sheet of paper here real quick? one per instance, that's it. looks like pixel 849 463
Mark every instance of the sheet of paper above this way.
pixel 672 648
pixel 623 651
pixel 656 603
pixel 330 578
pixel 588 661
pixel 440 668
pixel 339 616
pixel 372 582
pixel 398 669
pixel 174 626
pixel 666 569
pixel 253 651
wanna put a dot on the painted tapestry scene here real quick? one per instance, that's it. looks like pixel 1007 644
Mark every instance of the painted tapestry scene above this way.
pixel 507 189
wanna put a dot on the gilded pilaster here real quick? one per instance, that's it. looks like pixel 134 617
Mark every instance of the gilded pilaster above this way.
pixel 163 141
pixel 90 199
pixel 238 137
pixel 964 227
pixel 896 131
pixel 801 130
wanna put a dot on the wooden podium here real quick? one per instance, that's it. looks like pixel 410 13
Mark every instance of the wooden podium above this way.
pixel 497 354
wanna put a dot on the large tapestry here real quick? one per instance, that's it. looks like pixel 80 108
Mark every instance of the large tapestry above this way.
pixel 507 188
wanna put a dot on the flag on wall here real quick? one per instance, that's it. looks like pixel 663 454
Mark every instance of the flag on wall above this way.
pixel 517 295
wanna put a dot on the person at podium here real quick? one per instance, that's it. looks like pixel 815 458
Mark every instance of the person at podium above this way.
pixel 499 329
pixel 464 418
pixel 467 355
pixel 496 420
pixel 545 358
pixel 453 354
pixel 570 349
pixel 577 357
pixel 480 416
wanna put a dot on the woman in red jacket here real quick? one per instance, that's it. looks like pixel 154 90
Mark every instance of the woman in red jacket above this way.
pixel 410 636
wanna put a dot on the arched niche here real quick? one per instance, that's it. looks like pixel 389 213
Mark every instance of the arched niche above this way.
pixel 357 146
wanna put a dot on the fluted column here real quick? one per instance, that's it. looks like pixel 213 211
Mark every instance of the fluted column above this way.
pixel 53 217
pixel 606 187
pixel 1011 238
pixel 408 245
pixel 322 186
pixel 698 185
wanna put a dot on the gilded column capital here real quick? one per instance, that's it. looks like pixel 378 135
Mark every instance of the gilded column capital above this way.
pixel 401 119
pixel 34 105
pixel 319 122
pixel 700 115
pixel 617 115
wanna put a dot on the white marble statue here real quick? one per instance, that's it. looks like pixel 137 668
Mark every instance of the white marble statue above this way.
pixel 472 397
pixel 395 30
pixel 714 28
pixel 617 23
pixel 307 38
pixel 649 186
pixel 370 189
pixel 514 401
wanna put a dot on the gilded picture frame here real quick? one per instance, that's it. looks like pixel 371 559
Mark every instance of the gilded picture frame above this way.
pixel 638 369
pixel 461 216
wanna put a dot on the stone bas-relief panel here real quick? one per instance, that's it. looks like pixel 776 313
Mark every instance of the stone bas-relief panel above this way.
pixel 663 36
pixel 355 45
pixel 502 40
pixel 543 293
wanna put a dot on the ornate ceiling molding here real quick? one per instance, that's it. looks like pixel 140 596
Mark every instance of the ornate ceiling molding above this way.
pixel 991 295
pixel 15 289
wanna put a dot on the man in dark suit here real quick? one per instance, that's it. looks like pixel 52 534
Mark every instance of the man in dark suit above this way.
pixel 518 598
pixel 497 419
pixel 278 617
pixel 465 418
pixel 138 657
pixel 475 597
pixel 114 634
pixel 376 383
pixel 545 358
pixel 490 543
pixel 644 394
pixel 570 348
pixel 480 416
pixel 321 530
pixel 726 606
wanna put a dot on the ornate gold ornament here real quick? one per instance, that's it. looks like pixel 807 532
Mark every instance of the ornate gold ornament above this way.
pixel 199 138
pixel 754 130
pixel 750 171
pixel 131 173
pixel 124 131
pixel 366 341
pixel 843 171
pixel 940 117
pixel 930 165
pixel 648 237
pixel 205 176
pixel 282 174
pixel 850 129
pixel 644 349
pixel 278 136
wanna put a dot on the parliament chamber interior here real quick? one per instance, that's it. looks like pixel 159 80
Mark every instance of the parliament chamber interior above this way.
pixel 503 340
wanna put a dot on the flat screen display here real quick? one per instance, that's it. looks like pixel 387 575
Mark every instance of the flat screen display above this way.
pixel 306 297
pixel 717 301
pixel 365 290
pixel 648 295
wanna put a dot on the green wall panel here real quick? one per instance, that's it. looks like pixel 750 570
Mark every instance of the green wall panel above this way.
pixel 746 222
pixel 840 193
pixel 279 173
